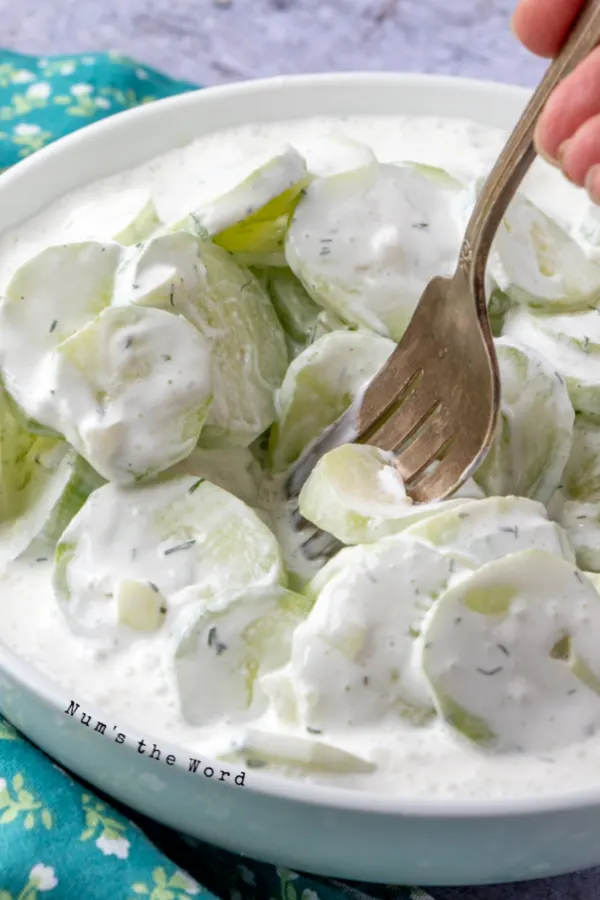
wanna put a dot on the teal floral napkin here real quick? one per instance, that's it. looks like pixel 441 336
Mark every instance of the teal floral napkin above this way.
pixel 58 837
pixel 44 98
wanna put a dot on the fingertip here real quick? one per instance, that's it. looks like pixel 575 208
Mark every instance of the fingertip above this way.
pixel 592 184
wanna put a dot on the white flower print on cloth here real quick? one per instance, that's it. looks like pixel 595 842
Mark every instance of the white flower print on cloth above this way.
pixel 102 825
pixel 179 886
pixel 22 76
pixel 79 90
pixel 113 846
pixel 43 877
pixel 41 90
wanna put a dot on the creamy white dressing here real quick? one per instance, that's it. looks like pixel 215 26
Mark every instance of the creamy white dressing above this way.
pixel 132 682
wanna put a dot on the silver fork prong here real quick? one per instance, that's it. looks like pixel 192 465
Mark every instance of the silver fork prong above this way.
pixel 442 480
pixel 343 431
pixel 427 447
pixel 410 415
pixel 297 520
pixel 396 377
pixel 321 545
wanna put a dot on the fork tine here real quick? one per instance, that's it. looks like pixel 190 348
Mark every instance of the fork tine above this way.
pixel 321 544
pixel 406 419
pixel 455 466
pixel 428 446
pixel 343 431
pixel 395 378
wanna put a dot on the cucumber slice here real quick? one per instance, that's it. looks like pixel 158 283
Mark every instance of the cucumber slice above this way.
pixel 188 538
pixel 43 483
pixel 535 432
pixel 336 153
pixel 140 605
pixel 250 218
pixel 485 530
pixel 365 243
pixel 320 384
pixel 133 389
pixel 582 472
pixel 226 303
pixel 540 264
pixel 48 299
pixel 259 747
pixel 229 644
pixel 234 469
pixel 352 657
pixel 302 320
pixel 297 312
pixel 586 231
pixel 581 521
pixel 126 217
pixel 511 654
pixel 572 358
pixel 356 494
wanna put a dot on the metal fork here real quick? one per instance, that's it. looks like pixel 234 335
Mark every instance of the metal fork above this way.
pixel 435 402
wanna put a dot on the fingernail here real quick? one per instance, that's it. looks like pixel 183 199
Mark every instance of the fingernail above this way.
pixel 592 183
pixel 540 150
pixel 562 150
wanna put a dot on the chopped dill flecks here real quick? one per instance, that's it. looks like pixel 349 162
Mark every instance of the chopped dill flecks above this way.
pixel 195 485
pixel 53 325
pixel 185 545
pixel 213 640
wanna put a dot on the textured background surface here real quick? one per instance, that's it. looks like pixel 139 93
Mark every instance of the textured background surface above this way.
pixel 213 42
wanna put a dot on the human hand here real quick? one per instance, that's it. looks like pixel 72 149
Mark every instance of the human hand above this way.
pixel 568 131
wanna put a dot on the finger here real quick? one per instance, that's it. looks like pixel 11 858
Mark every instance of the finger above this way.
pixel 543 25
pixel 592 183
pixel 573 102
pixel 582 151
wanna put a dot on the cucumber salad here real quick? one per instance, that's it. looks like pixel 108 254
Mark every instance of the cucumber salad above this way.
pixel 173 337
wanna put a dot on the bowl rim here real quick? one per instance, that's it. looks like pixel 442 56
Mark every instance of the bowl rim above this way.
pixel 272 786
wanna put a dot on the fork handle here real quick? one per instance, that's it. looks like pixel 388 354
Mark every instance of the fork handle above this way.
pixel 519 152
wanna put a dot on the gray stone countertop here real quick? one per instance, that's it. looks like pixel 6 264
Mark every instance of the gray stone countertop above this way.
pixel 217 41
pixel 214 41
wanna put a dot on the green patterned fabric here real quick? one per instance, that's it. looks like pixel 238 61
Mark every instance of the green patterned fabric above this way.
pixel 44 98
pixel 57 836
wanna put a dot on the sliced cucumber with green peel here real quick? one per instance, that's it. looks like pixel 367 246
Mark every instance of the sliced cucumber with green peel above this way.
pixel 485 530
pixel 227 304
pixel 320 384
pixel 540 264
pixel 511 654
pixel 365 243
pixel 47 300
pixel 356 494
pixel 189 539
pixel 250 219
pixel 352 659
pixel 109 377
pixel 43 484
pixel 535 429
pixel 126 217
pixel 259 747
pixel 228 645
pixel 582 473
pixel 581 521
pixel 574 359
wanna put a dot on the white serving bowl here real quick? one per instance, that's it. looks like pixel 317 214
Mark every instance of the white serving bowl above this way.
pixel 326 831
